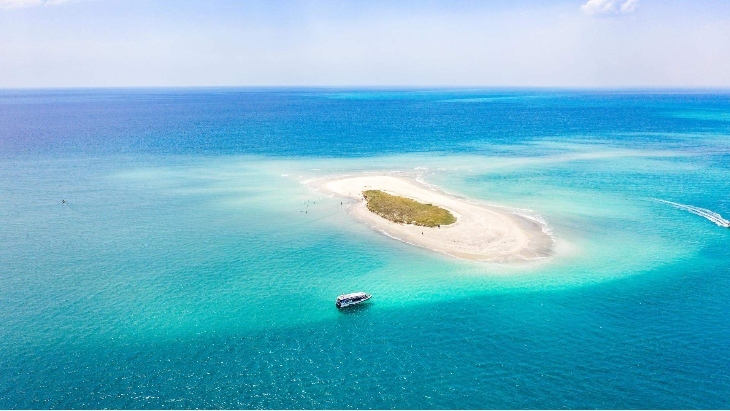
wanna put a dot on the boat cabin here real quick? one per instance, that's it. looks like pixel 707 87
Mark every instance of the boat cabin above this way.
pixel 351 299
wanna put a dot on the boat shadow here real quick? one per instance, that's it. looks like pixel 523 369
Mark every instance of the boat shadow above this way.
pixel 355 309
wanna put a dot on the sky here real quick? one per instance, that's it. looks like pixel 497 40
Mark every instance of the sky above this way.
pixel 403 43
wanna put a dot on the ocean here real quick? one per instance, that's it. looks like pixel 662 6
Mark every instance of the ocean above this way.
pixel 158 249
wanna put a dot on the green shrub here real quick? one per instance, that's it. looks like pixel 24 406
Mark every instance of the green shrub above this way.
pixel 406 211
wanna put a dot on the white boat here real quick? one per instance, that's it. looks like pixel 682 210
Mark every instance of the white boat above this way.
pixel 346 300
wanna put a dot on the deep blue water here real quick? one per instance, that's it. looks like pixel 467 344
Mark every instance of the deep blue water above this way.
pixel 338 123
pixel 182 273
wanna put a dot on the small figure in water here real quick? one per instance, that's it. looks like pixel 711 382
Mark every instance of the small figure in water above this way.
pixel 63 201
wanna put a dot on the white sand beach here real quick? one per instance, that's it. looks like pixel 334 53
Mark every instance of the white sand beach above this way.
pixel 481 232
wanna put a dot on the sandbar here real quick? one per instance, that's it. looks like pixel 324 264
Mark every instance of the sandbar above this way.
pixel 481 232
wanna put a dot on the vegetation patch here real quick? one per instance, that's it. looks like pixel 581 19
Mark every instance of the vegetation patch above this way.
pixel 406 211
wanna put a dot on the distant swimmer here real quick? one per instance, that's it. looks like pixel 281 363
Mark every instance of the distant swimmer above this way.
pixel 63 201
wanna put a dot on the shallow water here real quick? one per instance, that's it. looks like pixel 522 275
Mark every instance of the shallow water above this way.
pixel 191 268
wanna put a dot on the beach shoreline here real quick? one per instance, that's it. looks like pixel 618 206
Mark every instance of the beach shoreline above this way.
pixel 481 232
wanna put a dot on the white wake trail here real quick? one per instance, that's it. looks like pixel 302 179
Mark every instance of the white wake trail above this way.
pixel 702 212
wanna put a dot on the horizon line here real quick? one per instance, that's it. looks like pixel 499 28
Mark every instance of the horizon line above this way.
pixel 375 87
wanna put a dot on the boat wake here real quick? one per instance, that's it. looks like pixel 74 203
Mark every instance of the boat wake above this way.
pixel 702 212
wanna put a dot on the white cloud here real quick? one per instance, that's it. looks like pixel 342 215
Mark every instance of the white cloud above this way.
pixel 12 4
pixel 15 4
pixel 609 7
pixel 629 6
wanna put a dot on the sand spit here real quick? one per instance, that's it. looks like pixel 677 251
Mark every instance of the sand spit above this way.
pixel 481 232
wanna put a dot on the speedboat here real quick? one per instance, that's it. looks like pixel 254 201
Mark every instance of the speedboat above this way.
pixel 346 300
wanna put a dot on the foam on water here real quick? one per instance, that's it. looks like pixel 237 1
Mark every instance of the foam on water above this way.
pixel 702 212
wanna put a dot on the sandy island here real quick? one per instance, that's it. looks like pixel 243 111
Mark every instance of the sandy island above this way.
pixel 481 232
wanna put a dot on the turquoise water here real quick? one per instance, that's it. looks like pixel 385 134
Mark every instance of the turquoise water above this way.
pixel 183 272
